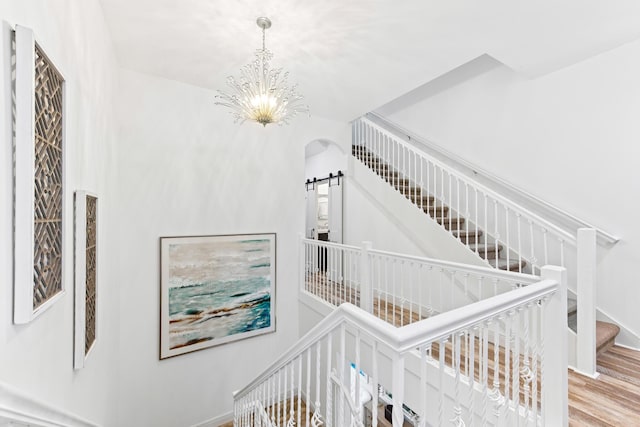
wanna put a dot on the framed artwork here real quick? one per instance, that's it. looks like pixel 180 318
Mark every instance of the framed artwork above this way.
pixel 39 180
pixel 215 290
pixel 86 275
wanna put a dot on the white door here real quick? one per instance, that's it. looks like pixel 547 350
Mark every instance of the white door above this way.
pixel 335 212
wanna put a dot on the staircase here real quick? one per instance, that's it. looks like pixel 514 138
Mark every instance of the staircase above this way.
pixel 471 235
pixel 497 230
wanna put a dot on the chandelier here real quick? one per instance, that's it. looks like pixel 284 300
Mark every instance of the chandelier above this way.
pixel 261 94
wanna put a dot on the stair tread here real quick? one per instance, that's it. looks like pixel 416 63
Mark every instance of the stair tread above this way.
pixel 512 265
pixel 466 233
pixel 606 334
pixel 490 247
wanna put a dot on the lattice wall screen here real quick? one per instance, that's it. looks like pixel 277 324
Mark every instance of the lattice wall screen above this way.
pixel 47 273
pixel 91 273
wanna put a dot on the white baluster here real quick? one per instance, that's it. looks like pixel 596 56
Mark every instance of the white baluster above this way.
pixel 455 353
pixel 507 353
pixel 484 378
pixel 486 227
pixel 508 241
pixel 442 197
pixel 546 247
pixel 534 261
pixel 519 244
pixel 534 359
pixel 496 233
pixel 441 367
pixel 472 375
pixel 329 404
pixel 317 410
pixel 496 395
pixel 374 385
pixel 357 397
pixel 291 404
pixel 449 202
pixel 308 395
pixel 279 397
pixel 525 372
pixel 467 213
pixel 516 363
pixel 341 364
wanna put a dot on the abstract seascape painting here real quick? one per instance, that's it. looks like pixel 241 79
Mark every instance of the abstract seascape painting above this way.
pixel 215 290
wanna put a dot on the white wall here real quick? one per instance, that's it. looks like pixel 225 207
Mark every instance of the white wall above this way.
pixel 187 169
pixel 38 358
pixel 330 160
pixel 365 221
pixel 570 137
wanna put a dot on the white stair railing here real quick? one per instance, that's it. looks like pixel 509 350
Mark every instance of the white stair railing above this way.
pixel 492 224
pixel 400 289
pixel 498 361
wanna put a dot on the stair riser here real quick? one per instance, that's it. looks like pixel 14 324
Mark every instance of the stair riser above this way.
pixel 454 224
pixel 398 182
pixel 436 211
pixel 489 253
pixel 420 200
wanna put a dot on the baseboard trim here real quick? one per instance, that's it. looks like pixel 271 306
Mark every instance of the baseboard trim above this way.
pixel 216 421
pixel 20 407
pixel 628 347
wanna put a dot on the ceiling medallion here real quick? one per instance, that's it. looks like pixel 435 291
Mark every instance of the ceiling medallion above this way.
pixel 261 94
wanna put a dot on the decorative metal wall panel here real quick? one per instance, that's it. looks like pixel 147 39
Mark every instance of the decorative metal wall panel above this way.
pixel 91 273
pixel 47 273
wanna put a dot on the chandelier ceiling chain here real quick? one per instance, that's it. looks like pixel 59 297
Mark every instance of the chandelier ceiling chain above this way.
pixel 260 94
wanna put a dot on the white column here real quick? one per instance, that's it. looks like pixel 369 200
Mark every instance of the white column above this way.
pixel 586 276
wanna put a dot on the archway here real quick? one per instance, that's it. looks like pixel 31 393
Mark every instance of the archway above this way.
pixel 325 170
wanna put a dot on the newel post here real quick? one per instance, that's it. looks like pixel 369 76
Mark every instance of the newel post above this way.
pixel 586 287
pixel 555 388
pixel 397 388
pixel 366 291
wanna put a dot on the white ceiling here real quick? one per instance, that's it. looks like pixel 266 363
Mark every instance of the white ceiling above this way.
pixel 352 56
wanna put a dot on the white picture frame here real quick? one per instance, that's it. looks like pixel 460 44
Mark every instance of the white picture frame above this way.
pixel 84 268
pixel 25 308
pixel 215 290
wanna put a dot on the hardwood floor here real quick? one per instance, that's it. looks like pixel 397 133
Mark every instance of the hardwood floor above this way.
pixel 613 399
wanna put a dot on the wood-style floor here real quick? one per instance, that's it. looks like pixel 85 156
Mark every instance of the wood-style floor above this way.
pixel 612 399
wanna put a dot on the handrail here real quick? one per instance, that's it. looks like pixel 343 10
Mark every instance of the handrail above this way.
pixel 604 238
pixel 468 268
pixel 406 338
pixel 561 233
